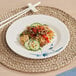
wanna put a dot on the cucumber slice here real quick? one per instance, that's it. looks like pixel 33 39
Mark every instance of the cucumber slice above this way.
pixel 34 45
pixel 27 45
pixel 35 24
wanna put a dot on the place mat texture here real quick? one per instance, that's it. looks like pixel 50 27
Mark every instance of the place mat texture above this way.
pixel 19 63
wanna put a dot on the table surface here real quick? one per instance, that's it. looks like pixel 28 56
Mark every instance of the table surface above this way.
pixel 68 6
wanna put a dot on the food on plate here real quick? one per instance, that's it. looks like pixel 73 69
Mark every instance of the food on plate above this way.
pixel 36 36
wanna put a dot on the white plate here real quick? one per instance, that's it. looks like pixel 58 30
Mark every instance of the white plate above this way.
pixel 61 39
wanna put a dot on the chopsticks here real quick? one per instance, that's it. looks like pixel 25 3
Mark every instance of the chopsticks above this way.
pixel 14 17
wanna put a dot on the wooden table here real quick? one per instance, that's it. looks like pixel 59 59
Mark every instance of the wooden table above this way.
pixel 68 6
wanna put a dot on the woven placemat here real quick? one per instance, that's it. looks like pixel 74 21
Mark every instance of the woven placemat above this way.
pixel 16 62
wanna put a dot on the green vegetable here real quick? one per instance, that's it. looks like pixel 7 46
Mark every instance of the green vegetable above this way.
pixel 21 34
pixel 27 45
pixel 35 24
pixel 34 45
pixel 45 24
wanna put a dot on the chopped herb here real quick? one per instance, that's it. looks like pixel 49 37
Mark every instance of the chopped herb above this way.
pixel 21 34
pixel 40 48
pixel 26 32
pixel 45 24
pixel 52 37
pixel 37 34
pixel 48 30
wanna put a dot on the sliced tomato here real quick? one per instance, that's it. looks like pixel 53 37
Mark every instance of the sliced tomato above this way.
pixel 44 36
pixel 48 40
pixel 34 30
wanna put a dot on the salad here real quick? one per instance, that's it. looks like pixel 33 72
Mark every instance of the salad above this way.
pixel 36 36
